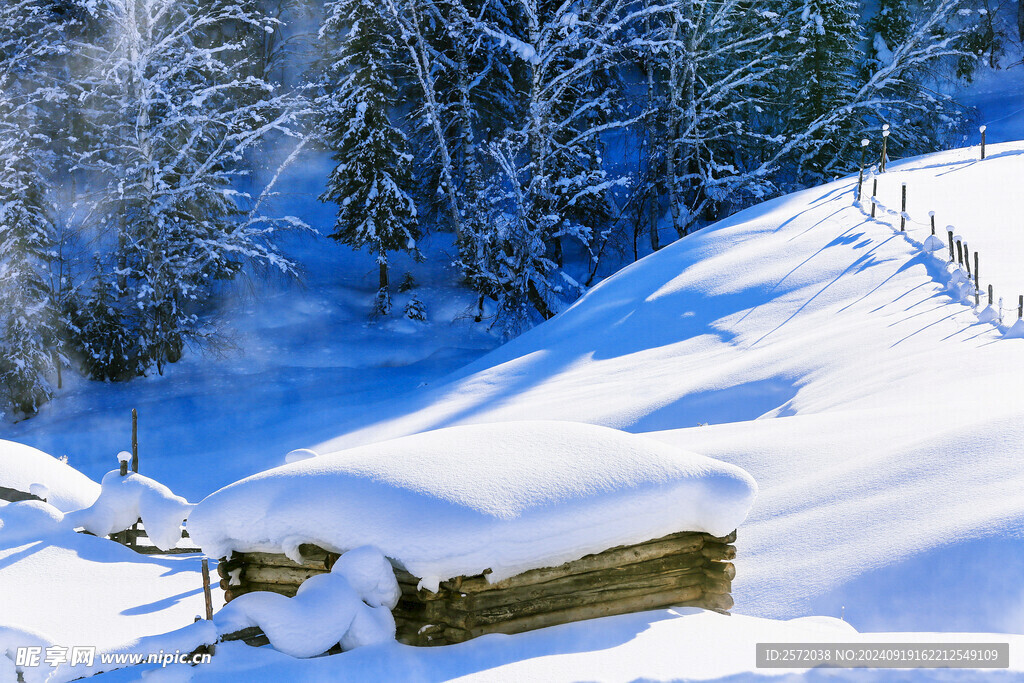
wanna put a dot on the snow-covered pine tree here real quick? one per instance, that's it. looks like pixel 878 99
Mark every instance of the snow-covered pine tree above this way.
pixel 174 103
pixel 359 96
pixel 819 78
pixel 29 318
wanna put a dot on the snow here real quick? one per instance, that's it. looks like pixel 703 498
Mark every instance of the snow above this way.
pixel 83 590
pixel 352 604
pixel 22 466
pixel 124 500
pixel 662 645
pixel 820 351
pixel 506 497
pixel 28 520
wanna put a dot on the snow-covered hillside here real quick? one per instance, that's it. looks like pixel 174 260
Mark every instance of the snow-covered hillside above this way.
pixel 821 351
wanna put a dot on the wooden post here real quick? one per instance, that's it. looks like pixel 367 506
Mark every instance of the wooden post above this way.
pixel 874 193
pixel 206 590
pixel 982 129
pixel 976 270
pixel 931 215
pixel 903 210
pixel 133 535
pixel 949 229
pixel 1020 307
pixel 967 259
pixel 977 297
pixel 990 295
pixel 135 440
pixel 885 139
pixel 959 253
pixel 860 175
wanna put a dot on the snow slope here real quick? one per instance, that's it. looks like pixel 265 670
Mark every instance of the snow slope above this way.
pixel 457 502
pixel 826 356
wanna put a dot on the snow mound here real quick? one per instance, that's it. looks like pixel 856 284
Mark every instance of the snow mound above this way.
pixel 351 604
pixel 506 497
pixel 22 466
pixel 10 640
pixel 123 500
pixel 28 520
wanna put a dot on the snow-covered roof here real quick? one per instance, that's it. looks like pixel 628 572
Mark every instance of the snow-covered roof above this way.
pixel 506 497
pixel 22 466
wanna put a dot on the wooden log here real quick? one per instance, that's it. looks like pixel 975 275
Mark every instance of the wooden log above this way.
pixel 716 585
pixel 721 570
pixel 719 551
pixel 313 557
pixel 254 573
pixel 638 603
pixel 541 597
pixel 719 602
pixel 676 544
pixel 15 496
pixel 232 592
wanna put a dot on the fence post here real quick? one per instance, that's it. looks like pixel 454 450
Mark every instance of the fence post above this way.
pixel 135 440
pixel 990 295
pixel 982 129
pixel 949 229
pixel 1020 307
pixel 874 193
pixel 959 253
pixel 885 139
pixel 976 270
pixel 860 176
pixel 903 209
pixel 967 260
pixel 931 215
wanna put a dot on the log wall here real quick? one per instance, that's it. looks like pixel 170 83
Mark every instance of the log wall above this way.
pixel 683 569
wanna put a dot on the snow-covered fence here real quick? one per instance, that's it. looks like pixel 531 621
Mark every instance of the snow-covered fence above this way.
pixel 683 569
pixel 961 285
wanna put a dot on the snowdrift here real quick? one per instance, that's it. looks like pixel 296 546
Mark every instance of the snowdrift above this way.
pixel 507 497
pixel 22 466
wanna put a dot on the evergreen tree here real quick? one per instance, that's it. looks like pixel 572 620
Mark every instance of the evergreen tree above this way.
pixel 371 181
pixel 29 330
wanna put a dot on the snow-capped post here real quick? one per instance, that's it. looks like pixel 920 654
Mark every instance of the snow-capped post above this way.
pixel 990 295
pixel 975 270
pixel 885 139
pixel 124 457
pixel 903 209
pixel 863 156
pixel 959 253
pixel 949 229
pixel 135 440
pixel 982 129
pixel 874 193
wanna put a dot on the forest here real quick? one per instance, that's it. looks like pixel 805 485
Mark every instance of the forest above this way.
pixel 141 143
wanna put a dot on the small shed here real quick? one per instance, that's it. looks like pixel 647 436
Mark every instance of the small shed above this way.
pixel 492 528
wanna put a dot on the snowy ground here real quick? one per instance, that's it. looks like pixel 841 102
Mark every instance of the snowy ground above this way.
pixel 818 349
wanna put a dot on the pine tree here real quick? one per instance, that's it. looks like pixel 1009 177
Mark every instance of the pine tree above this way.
pixel 821 75
pixel 29 330
pixel 371 181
